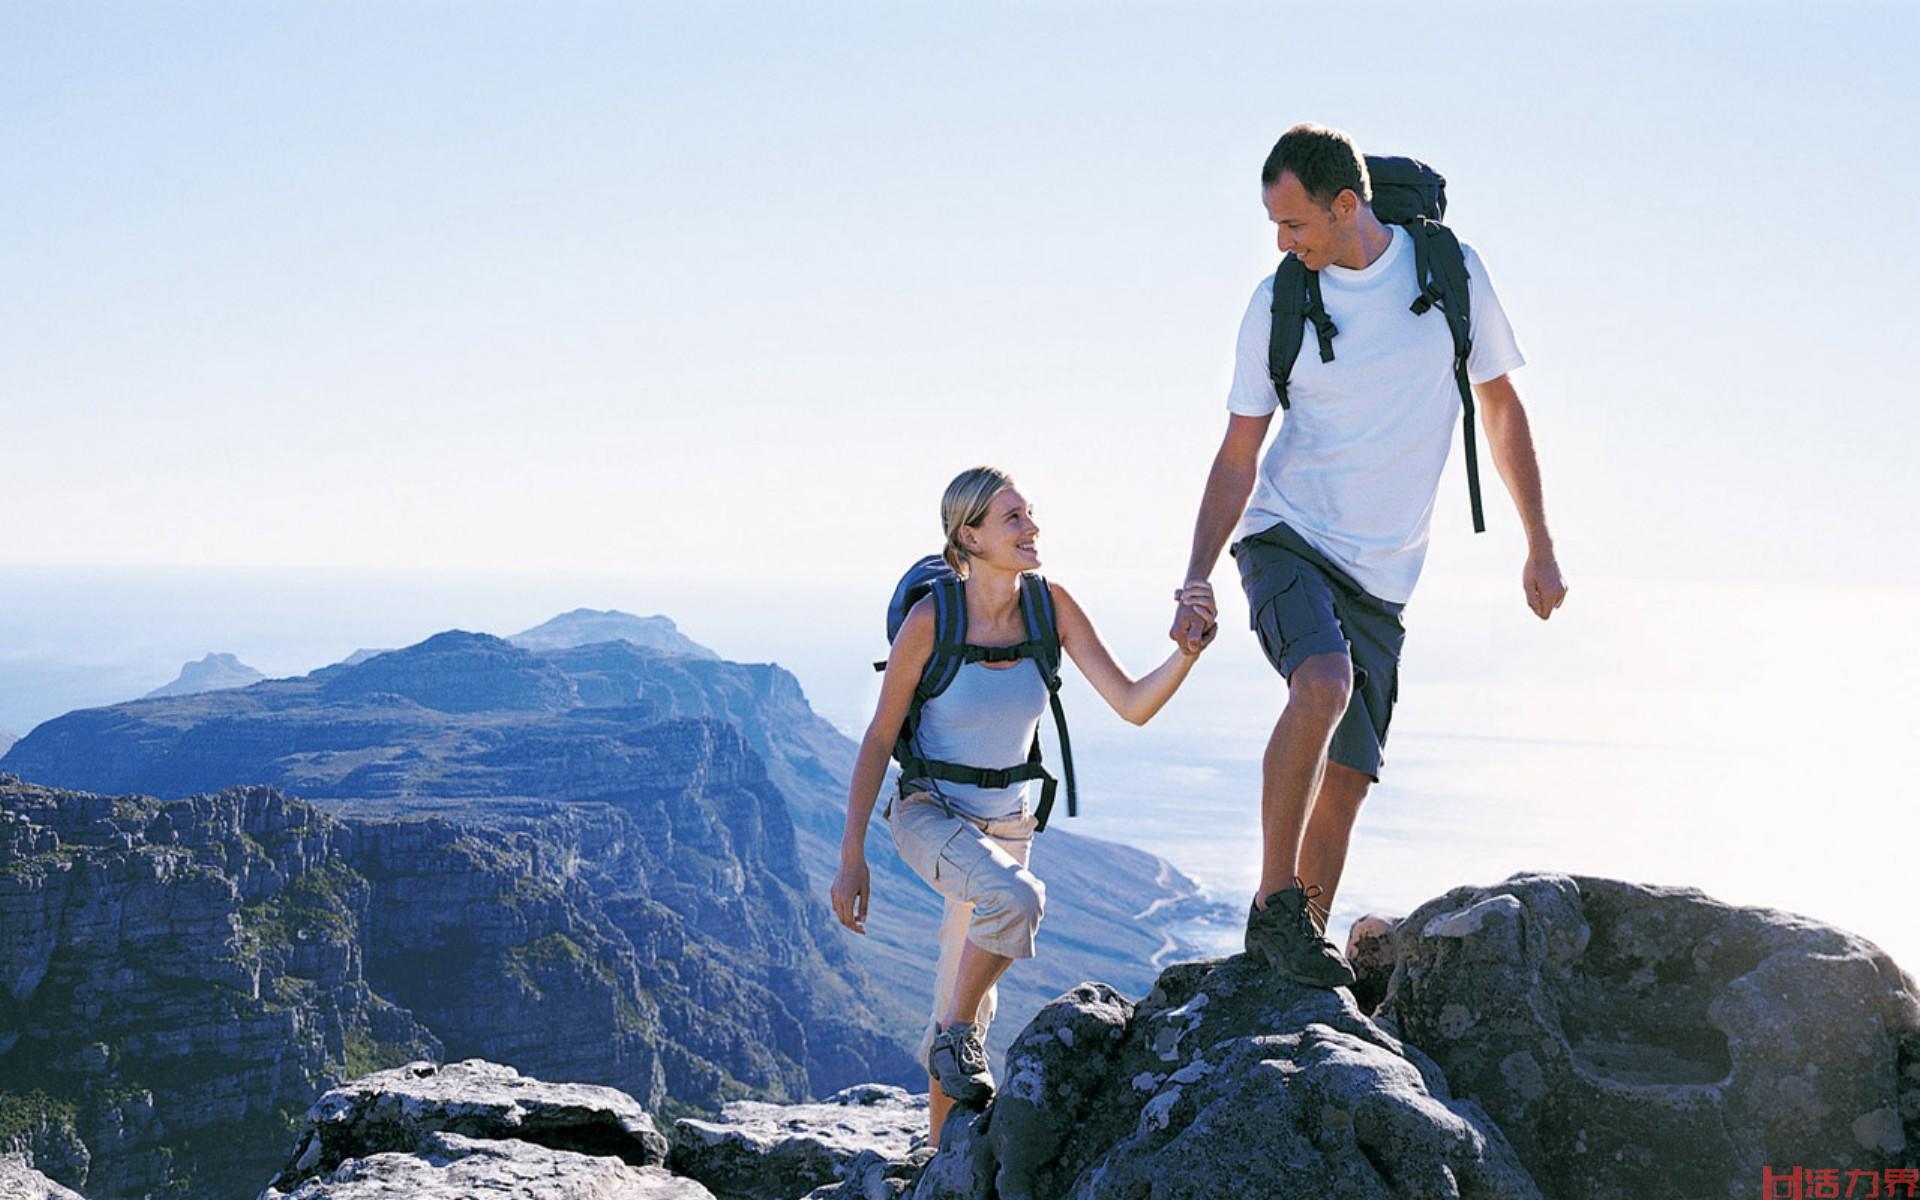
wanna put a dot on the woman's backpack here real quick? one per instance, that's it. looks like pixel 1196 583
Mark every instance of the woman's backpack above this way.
pixel 931 576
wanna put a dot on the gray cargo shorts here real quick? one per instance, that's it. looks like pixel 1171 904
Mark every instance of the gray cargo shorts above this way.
pixel 1302 605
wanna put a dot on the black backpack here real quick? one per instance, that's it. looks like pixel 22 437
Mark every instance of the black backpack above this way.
pixel 1408 193
pixel 932 576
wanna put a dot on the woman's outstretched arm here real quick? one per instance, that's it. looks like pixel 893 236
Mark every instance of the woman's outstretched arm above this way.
pixel 852 891
pixel 1134 699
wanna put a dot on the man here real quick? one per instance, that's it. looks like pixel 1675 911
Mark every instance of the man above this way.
pixel 1332 542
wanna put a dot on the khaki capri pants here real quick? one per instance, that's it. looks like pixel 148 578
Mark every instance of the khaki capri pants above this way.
pixel 980 868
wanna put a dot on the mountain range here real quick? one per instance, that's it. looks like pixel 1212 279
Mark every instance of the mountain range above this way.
pixel 601 861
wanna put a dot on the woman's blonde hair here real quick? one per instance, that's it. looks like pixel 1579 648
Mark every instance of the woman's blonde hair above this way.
pixel 965 504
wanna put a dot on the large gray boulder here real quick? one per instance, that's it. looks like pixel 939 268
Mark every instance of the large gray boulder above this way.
pixel 447 1166
pixel 1651 1041
pixel 780 1151
pixel 399 1112
pixel 1224 1082
pixel 19 1181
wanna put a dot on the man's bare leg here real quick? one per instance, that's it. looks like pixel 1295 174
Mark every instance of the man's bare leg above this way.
pixel 1323 851
pixel 1295 762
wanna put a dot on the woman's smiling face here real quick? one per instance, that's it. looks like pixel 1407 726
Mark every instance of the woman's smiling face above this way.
pixel 1007 536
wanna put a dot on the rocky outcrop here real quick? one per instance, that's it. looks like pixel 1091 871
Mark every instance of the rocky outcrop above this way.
pixel 210 674
pixel 19 1181
pixel 473 1128
pixel 447 1166
pixel 1639 1040
pixel 778 1151
pixel 1223 1081
pixel 586 626
pixel 396 1109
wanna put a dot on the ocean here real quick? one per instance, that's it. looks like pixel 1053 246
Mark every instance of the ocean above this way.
pixel 1664 732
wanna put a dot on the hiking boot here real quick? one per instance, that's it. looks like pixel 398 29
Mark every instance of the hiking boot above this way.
pixel 959 1061
pixel 1284 934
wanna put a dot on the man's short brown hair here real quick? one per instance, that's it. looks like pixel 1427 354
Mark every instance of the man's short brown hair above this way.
pixel 1325 161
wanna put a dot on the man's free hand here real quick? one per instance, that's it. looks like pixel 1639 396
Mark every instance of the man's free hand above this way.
pixel 1545 589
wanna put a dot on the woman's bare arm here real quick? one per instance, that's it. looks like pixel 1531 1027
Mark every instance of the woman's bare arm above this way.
pixel 1137 700
pixel 912 647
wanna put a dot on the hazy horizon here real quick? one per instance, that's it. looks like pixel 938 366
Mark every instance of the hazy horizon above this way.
pixel 1586 744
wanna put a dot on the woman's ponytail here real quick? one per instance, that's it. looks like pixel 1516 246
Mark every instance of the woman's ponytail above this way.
pixel 965 504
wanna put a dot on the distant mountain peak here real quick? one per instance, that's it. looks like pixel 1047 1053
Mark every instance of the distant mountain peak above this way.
pixel 585 626
pixel 457 671
pixel 215 672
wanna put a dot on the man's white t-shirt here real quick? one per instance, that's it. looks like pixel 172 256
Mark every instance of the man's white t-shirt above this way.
pixel 1356 464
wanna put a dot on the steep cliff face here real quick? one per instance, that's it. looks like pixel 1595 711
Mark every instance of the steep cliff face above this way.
pixel 179 972
pixel 179 979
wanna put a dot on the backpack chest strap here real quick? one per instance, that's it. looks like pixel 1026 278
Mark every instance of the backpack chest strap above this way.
pixel 992 654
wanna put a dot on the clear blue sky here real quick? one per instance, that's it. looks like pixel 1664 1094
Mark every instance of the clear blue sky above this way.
pixel 722 292
pixel 718 288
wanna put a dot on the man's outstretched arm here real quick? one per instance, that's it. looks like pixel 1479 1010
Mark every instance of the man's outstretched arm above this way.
pixel 1511 441
pixel 1229 484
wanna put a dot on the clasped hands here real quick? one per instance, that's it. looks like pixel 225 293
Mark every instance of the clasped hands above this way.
pixel 1196 619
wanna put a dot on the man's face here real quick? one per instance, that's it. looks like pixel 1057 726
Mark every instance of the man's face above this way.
pixel 1309 232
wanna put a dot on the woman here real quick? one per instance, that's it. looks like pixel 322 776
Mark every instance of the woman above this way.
pixel 971 843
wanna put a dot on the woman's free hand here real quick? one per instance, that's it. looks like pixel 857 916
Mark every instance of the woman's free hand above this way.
pixel 852 894
pixel 1196 595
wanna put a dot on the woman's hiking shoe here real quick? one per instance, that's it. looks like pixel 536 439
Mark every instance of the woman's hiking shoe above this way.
pixel 1284 934
pixel 959 1061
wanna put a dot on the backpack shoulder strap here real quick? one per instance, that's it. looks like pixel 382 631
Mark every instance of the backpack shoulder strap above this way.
pixel 1036 607
pixel 1296 301
pixel 1440 268
pixel 1323 327
pixel 1289 319
pixel 949 639
pixel 1043 629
